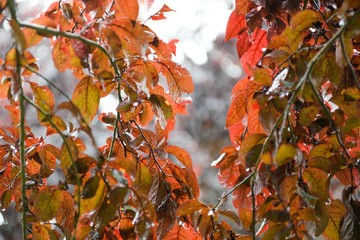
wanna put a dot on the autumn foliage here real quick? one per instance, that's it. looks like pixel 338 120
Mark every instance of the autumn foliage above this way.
pixel 293 123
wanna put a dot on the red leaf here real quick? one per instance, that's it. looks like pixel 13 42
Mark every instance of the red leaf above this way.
pixel 182 232
pixel 242 43
pixel 160 14
pixel 255 52
pixel 237 109
pixel 172 44
pixel 180 154
pixel 60 55
pixel 235 26
pixel 178 78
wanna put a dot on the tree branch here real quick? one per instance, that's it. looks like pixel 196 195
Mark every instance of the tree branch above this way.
pixel 68 149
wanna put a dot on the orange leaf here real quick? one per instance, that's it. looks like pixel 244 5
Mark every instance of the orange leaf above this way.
pixel 160 14
pixel 180 154
pixel 178 78
pixel 189 207
pixel 43 98
pixel 253 121
pixel 255 52
pixel 60 55
pixel 182 232
pixel 87 97
pixel 130 8
pixel 241 6
pixel 237 109
pixel 235 26
pixel 4 89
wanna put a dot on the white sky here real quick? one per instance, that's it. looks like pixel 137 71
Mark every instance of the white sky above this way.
pixel 196 23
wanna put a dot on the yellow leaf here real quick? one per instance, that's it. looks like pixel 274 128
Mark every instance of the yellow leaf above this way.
pixel 86 97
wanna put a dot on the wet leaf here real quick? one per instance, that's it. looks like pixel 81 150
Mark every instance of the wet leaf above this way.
pixel 166 217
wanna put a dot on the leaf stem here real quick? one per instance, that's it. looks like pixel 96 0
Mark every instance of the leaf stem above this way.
pixel 68 149
pixel 89 132
pixel 12 7
pixel 55 32
pixel 352 69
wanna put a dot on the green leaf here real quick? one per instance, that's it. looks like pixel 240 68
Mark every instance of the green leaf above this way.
pixel 68 153
pixel 93 203
pixel 189 207
pixel 285 154
pixel 46 204
pixel 352 123
pixel 308 114
pixel 86 97
pixel 321 150
pixel 90 187
pixel 322 217
pixel 337 212
pixel 5 199
pixel 162 108
pixel 143 179
pixel 253 155
pixel 277 231
pixel 44 99
pixel 106 212
pixel 318 182
pixel 263 77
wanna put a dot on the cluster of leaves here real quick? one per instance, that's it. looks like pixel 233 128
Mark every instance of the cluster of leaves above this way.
pixel 294 119
pixel 129 188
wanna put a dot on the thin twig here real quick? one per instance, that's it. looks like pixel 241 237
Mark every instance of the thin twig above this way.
pixel 328 115
pixel 68 149
pixel 12 7
pixel 55 32
pixel 352 69
pixel 89 132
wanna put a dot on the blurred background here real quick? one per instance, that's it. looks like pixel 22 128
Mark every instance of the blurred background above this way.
pixel 199 25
